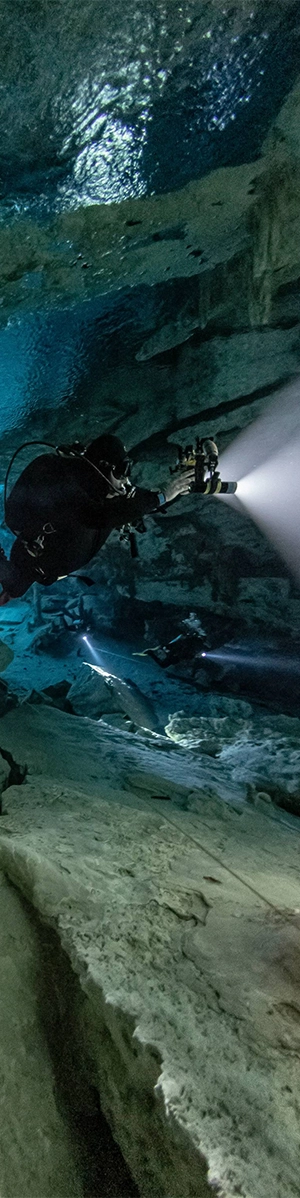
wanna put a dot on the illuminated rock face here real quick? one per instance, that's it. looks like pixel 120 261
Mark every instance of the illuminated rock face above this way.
pixel 167 951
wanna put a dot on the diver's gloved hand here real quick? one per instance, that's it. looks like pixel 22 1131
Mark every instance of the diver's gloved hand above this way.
pixel 179 484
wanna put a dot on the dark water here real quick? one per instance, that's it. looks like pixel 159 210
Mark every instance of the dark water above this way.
pixel 266 673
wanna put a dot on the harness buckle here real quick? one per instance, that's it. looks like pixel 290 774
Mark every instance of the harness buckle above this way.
pixel 36 548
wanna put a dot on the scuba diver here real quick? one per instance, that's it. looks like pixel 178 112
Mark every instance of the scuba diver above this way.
pixel 64 506
pixel 183 647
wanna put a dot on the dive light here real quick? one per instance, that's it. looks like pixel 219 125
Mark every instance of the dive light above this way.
pixel 214 486
pixel 205 460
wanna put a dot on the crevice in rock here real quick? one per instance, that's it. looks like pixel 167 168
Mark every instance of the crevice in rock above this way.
pixel 280 796
pixel 100 1065
pixel 101 1167
pixel 17 772
pixel 206 414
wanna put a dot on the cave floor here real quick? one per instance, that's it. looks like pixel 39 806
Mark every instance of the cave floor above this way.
pixel 180 917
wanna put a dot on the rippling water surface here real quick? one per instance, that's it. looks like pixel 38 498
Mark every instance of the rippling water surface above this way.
pixel 101 102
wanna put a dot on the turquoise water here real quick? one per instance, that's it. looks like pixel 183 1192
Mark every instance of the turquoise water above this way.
pixel 52 359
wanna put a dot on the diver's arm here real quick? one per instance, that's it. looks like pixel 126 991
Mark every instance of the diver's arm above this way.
pixel 119 509
pixel 179 484
pixel 139 502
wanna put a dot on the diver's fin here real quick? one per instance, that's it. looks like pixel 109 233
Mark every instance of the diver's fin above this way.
pixel 146 651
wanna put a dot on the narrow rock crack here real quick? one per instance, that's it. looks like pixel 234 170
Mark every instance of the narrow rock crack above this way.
pixel 17 772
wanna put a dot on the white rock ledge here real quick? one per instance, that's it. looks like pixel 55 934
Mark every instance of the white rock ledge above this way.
pixel 182 927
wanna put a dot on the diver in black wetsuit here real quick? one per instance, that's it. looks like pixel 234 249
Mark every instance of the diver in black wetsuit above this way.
pixel 64 506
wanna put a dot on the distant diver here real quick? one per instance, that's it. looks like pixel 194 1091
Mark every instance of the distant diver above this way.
pixel 183 647
pixel 64 506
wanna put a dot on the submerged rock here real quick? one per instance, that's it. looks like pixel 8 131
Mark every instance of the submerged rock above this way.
pixel 261 752
pixel 90 696
pixel 6 655
pixel 206 734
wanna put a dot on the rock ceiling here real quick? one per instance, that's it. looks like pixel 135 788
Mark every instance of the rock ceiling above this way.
pixel 149 222
pixel 155 149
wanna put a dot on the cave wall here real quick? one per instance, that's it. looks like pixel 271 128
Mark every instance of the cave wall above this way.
pixel 181 314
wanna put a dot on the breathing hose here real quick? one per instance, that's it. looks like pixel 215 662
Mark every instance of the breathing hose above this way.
pixel 62 451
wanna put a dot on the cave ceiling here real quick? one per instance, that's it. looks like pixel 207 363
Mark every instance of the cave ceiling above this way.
pixel 149 215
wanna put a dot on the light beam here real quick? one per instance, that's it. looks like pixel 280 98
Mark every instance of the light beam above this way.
pixel 278 424
pixel 266 461
pixel 271 495
pixel 257 661
pixel 91 649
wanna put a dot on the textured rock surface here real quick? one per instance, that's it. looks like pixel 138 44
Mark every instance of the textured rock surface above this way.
pixel 36 1152
pixel 209 735
pixel 91 696
pixel 4 774
pixel 261 751
pixel 6 656
pixel 94 695
pixel 182 929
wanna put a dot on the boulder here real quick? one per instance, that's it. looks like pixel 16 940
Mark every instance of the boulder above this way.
pixel 6 655
pixel 90 695
pixel 209 735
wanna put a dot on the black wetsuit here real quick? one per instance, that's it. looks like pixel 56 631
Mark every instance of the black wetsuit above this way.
pixel 59 499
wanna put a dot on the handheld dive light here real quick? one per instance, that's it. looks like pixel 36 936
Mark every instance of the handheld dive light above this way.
pixel 205 459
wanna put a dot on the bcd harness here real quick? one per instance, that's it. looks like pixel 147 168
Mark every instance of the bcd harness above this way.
pixel 36 547
pixel 207 481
